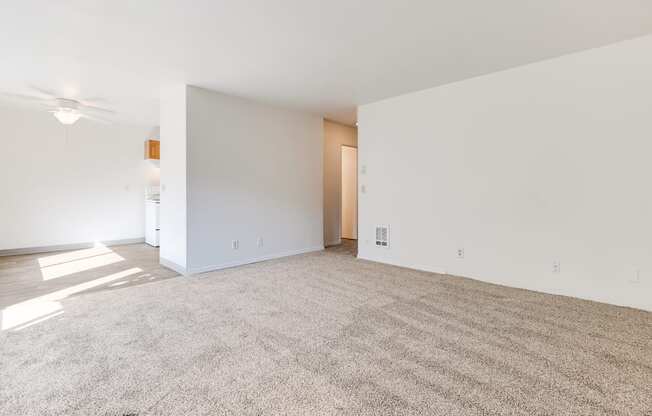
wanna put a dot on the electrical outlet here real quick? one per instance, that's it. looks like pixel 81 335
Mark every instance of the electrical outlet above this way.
pixel 363 189
pixel 460 253
pixel 556 267
pixel 259 242
pixel 235 244
pixel 363 169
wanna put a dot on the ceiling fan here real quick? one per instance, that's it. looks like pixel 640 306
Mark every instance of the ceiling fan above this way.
pixel 66 110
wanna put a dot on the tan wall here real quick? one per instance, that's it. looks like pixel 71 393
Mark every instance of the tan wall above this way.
pixel 349 192
pixel 335 135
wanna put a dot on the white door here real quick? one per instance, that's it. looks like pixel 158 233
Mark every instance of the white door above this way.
pixel 349 192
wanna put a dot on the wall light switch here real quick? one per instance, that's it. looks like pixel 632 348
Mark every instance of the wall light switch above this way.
pixel 363 189
pixel 259 242
pixel 235 244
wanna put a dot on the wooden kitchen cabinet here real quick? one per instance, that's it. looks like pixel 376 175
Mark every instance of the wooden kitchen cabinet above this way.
pixel 153 149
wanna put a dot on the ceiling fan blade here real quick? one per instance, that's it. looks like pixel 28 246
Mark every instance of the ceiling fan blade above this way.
pixel 93 108
pixel 97 119
pixel 93 100
pixel 43 93
pixel 26 98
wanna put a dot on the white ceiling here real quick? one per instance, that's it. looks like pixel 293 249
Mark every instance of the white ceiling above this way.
pixel 322 56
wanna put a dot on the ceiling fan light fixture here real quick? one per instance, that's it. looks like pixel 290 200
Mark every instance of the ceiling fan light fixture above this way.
pixel 67 116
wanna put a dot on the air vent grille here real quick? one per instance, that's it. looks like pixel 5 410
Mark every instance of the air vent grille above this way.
pixel 382 236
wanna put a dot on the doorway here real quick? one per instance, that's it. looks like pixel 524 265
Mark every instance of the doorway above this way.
pixel 349 196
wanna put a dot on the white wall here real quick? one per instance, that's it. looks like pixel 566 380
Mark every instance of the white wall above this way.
pixel 335 136
pixel 69 185
pixel 522 168
pixel 173 212
pixel 254 171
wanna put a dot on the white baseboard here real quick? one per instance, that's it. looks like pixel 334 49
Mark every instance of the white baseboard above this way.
pixel 601 297
pixel 421 268
pixel 236 263
pixel 67 247
pixel 173 266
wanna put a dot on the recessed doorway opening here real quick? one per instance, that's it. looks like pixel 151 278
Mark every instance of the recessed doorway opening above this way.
pixel 349 196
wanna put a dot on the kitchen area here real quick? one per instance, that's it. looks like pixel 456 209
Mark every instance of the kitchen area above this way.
pixel 153 195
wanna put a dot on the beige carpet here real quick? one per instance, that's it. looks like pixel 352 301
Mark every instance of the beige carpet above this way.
pixel 326 334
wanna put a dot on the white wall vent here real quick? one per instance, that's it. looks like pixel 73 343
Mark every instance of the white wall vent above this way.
pixel 382 236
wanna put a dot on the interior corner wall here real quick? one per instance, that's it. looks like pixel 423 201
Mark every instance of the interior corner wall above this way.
pixel 335 136
pixel 69 185
pixel 523 168
pixel 174 177
pixel 255 177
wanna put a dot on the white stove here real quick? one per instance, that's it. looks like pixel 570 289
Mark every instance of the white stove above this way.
pixel 152 216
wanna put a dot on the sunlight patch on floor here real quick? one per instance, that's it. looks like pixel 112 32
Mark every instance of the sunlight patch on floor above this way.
pixel 25 312
pixel 39 309
pixel 38 321
pixel 61 265
pixel 97 250
pixel 76 266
